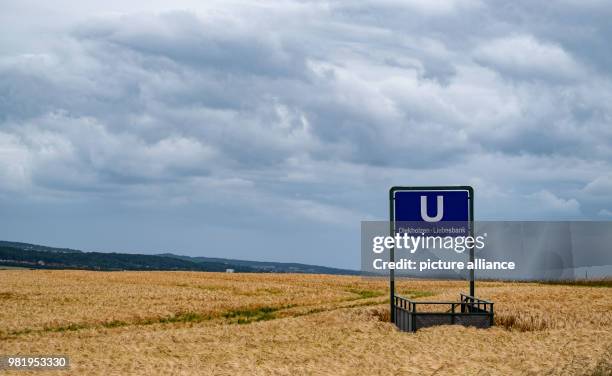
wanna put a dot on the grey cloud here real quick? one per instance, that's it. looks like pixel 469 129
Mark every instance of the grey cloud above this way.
pixel 318 107
pixel 214 43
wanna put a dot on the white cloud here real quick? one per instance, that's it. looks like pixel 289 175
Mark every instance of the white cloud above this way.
pixel 546 201
pixel 525 55
pixel 600 186
pixel 605 213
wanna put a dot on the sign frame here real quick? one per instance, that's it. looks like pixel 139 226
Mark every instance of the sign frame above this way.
pixel 396 189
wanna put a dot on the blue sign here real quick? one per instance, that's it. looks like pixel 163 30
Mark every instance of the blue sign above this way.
pixel 443 210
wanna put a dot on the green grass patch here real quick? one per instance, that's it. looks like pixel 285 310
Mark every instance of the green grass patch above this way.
pixel 16 333
pixel 188 317
pixel 66 328
pixel 366 294
pixel 115 324
pixel 246 316
pixel 180 317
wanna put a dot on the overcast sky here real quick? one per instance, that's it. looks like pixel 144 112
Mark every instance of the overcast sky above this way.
pixel 276 127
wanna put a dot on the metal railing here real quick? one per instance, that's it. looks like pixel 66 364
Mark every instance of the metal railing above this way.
pixel 472 312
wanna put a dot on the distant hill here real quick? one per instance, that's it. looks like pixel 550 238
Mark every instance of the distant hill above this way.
pixel 11 256
pixel 35 247
pixel 267 266
pixel 43 257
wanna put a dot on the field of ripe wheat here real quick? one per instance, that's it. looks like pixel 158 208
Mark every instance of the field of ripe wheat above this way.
pixel 120 323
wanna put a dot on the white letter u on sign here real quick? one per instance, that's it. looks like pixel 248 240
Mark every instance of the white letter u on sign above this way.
pixel 439 212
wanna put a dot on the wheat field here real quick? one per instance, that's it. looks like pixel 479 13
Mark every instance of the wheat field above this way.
pixel 183 323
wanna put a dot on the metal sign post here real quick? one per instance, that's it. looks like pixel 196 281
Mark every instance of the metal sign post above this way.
pixel 392 255
pixel 471 198
pixel 416 204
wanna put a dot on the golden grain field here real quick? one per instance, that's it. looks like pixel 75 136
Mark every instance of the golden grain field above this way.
pixel 162 323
